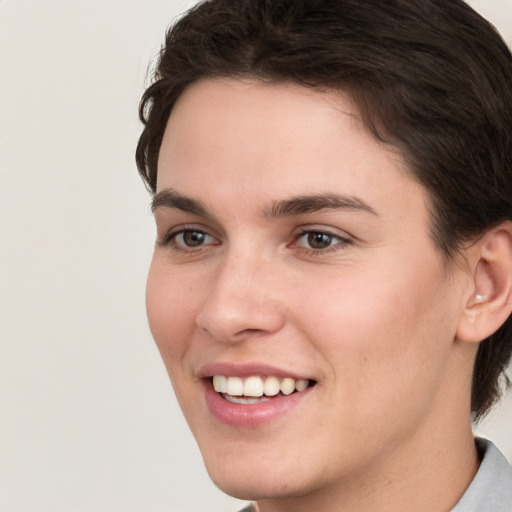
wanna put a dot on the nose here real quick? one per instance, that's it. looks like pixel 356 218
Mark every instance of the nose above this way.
pixel 241 301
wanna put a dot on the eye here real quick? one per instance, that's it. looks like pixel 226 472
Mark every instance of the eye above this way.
pixel 319 240
pixel 192 238
pixel 188 239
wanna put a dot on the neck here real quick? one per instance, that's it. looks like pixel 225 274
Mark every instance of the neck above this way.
pixel 429 480
pixel 427 471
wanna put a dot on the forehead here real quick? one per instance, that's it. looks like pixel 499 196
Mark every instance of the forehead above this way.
pixel 240 119
pixel 248 143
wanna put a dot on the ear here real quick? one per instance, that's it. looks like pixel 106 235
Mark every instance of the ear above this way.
pixel 490 301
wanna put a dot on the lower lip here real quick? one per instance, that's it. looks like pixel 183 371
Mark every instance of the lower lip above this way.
pixel 251 415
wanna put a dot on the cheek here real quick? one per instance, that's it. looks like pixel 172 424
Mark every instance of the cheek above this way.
pixel 384 338
pixel 170 310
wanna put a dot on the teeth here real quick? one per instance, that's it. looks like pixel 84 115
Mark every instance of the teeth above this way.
pixel 287 386
pixel 271 386
pixel 245 400
pixel 235 386
pixel 253 386
pixel 256 387
pixel 301 384
pixel 220 383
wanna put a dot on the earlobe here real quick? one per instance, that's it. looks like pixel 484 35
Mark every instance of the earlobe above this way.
pixel 490 303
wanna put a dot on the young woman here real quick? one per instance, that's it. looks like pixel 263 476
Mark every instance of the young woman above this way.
pixel 331 287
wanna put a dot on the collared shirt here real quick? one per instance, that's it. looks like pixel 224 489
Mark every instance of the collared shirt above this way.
pixel 490 490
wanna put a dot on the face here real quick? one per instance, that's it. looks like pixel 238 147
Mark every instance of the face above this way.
pixel 294 268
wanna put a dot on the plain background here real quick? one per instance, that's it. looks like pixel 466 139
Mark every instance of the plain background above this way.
pixel 88 421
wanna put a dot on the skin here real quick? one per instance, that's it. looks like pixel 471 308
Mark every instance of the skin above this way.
pixel 372 317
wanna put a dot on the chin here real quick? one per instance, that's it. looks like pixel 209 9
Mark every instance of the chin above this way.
pixel 254 478
pixel 253 489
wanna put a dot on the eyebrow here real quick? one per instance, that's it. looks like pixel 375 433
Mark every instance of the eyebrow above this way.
pixel 169 198
pixel 314 203
pixel 299 205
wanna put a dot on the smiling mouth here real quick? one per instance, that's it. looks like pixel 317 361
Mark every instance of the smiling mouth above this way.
pixel 255 389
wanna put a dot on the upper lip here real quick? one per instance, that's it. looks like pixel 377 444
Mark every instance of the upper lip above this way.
pixel 246 370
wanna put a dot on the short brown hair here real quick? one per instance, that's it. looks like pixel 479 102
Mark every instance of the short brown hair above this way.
pixel 430 77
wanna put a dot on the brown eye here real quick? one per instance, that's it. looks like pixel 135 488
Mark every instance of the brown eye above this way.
pixel 188 239
pixel 193 238
pixel 317 240
pixel 320 241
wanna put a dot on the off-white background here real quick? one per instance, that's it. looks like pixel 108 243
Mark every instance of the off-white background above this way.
pixel 88 420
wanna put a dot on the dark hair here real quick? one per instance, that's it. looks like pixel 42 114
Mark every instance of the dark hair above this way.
pixel 431 78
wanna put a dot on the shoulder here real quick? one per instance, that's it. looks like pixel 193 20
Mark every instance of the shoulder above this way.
pixel 491 489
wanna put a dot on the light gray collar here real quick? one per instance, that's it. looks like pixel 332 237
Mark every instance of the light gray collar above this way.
pixel 491 489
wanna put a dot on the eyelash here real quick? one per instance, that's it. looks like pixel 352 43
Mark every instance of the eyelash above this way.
pixel 169 240
pixel 341 241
